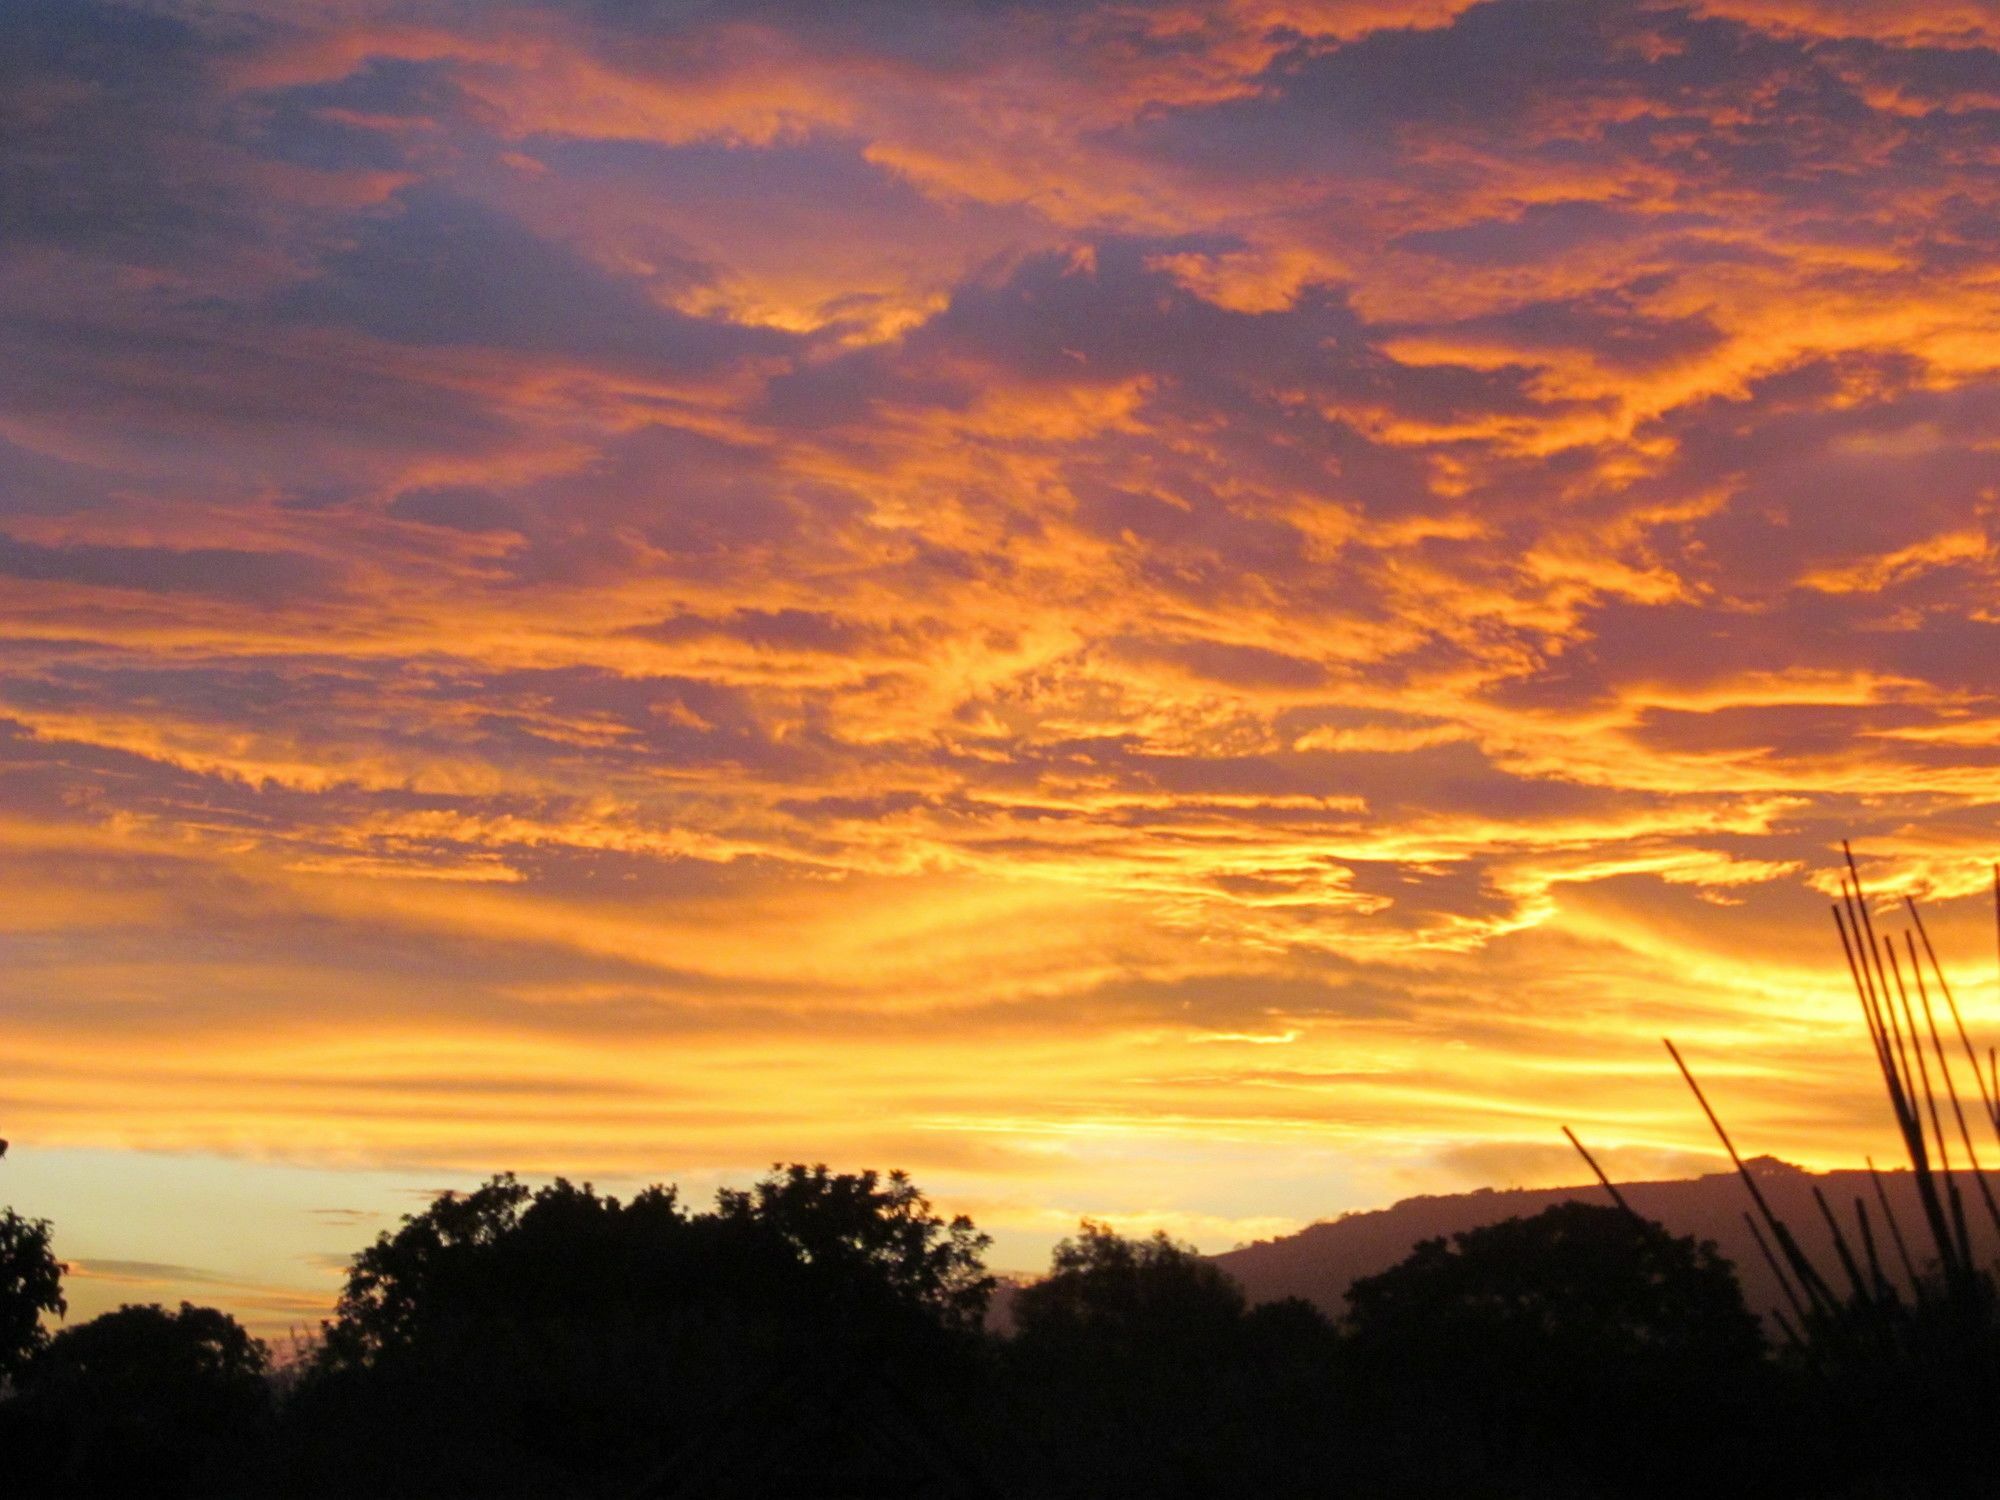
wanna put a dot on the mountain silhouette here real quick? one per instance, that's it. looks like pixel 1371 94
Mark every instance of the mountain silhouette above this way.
pixel 1320 1262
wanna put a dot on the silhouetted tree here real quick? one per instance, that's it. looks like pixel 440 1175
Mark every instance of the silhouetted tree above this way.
pixel 1119 1292
pixel 1138 1370
pixel 143 1401
pixel 555 1338
pixel 1575 1277
pixel 504 1253
pixel 1582 1350
pixel 863 1234
pixel 30 1287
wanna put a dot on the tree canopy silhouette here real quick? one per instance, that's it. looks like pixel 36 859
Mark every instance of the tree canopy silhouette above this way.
pixel 1583 1335
pixel 30 1286
pixel 847 1241
pixel 1120 1294
pixel 863 1231
pixel 1137 1369
pixel 821 1334
pixel 145 1401
pixel 1576 1278
pixel 143 1348
pixel 504 1253
pixel 560 1331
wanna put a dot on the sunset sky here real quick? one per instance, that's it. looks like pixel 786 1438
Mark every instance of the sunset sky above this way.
pixel 1205 614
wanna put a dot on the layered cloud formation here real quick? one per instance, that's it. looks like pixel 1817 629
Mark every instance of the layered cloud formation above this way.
pixel 1189 608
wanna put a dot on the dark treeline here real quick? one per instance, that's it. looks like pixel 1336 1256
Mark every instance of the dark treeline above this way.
pixel 827 1334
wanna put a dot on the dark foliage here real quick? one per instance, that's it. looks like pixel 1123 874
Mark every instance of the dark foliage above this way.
pixel 1583 1348
pixel 820 1335
pixel 1137 1370
pixel 30 1287
pixel 861 1241
pixel 143 1401
pixel 1575 1285
pixel 553 1342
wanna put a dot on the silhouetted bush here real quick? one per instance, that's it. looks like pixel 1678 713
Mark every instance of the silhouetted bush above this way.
pixel 555 1342
pixel 142 1401
pixel 1583 1350
pixel 821 1335
pixel 1138 1370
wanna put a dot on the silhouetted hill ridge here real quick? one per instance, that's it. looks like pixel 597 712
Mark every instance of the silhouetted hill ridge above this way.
pixel 1322 1260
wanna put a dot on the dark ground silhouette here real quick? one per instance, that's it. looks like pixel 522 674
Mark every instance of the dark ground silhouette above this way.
pixel 822 1335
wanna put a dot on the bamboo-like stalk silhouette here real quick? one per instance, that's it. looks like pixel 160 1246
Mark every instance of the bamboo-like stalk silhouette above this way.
pixel 1950 1292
